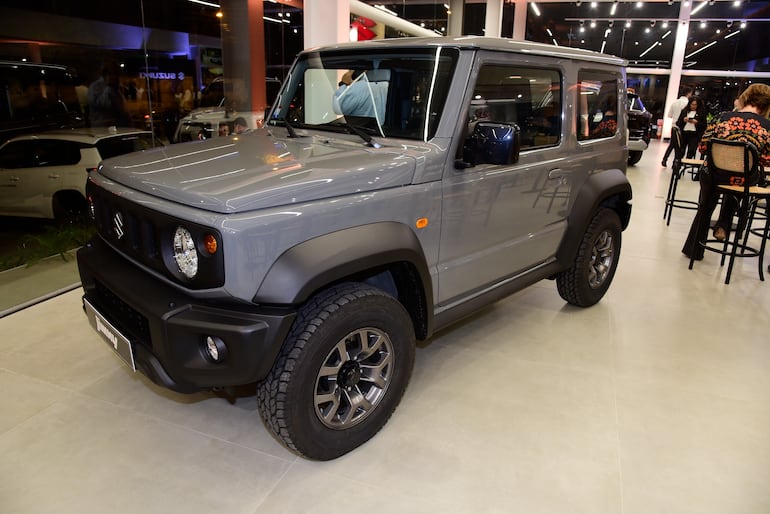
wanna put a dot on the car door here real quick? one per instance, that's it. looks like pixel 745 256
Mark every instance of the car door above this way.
pixel 500 220
pixel 16 161
pixel 39 169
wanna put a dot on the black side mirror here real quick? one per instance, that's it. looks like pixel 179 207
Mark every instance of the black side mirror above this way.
pixel 493 143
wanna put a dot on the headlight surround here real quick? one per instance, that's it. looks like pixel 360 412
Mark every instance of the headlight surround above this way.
pixel 185 252
pixel 192 255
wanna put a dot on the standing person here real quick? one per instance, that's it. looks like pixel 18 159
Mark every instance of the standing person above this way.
pixel 673 112
pixel 106 104
pixel 748 124
pixel 692 123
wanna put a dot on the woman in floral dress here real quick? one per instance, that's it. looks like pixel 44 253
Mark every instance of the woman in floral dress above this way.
pixel 749 124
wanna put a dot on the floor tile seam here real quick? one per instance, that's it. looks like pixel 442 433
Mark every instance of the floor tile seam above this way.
pixel 29 419
pixel 266 495
pixel 166 422
pixel 704 393
pixel 561 366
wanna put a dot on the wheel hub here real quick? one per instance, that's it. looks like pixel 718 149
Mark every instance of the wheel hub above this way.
pixel 350 374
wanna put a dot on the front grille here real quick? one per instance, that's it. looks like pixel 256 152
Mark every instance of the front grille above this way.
pixel 140 233
pixel 129 227
pixel 128 320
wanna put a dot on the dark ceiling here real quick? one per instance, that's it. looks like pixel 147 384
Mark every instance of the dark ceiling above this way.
pixel 643 43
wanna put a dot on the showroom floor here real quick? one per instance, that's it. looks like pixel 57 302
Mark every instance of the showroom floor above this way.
pixel 656 400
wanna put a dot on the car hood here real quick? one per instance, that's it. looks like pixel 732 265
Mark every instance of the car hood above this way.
pixel 256 171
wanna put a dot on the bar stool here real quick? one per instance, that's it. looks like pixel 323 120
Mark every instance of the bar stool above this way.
pixel 738 160
pixel 678 168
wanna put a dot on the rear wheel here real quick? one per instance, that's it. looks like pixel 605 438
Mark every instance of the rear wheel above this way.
pixel 341 372
pixel 68 206
pixel 586 282
pixel 634 156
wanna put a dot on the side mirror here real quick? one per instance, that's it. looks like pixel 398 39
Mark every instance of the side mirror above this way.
pixel 493 143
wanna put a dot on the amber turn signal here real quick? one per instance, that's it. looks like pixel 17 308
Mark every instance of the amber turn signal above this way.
pixel 421 223
pixel 210 243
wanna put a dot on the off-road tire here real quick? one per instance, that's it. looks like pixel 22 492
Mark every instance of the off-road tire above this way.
pixel 586 282
pixel 634 156
pixel 291 398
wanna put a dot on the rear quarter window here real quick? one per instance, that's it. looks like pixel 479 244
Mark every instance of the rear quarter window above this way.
pixel 119 145
pixel 597 112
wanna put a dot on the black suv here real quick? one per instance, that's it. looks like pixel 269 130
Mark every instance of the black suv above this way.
pixel 639 128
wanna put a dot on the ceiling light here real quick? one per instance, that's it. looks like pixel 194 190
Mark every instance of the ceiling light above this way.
pixel 534 8
pixel 743 24
pixel 665 24
pixel 207 4
pixel 639 4
pixel 664 36
pixel 737 3
pixel 731 34
pixel 593 24
pixel 701 6
pixel 647 30
pixel 628 24
pixel 700 49
pixel 614 6
pixel 593 5
pixel 549 32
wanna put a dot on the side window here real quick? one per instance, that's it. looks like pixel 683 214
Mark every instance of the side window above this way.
pixel 120 145
pixel 528 97
pixel 18 154
pixel 54 152
pixel 597 105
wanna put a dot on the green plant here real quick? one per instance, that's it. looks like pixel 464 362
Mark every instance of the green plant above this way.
pixel 55 239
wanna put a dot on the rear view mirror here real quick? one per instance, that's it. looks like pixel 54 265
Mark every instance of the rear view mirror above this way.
pixel 493 143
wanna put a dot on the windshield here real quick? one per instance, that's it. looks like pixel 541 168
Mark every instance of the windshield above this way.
pixel 395 93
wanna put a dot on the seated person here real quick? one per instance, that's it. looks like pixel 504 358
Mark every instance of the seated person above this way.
pixel 224 129
pixel 748 124
pixel 240 126
pixel 357 96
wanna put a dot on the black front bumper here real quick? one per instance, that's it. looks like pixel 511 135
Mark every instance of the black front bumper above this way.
pixel 168 329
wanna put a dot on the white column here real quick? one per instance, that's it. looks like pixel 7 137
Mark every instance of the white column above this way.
pixel 456 18
pixel 494 18
pixel 326 22
pixel 520 20
pixel 677 59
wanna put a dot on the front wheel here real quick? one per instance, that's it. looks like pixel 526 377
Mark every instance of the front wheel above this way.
pixel 341 372
pixel 586 282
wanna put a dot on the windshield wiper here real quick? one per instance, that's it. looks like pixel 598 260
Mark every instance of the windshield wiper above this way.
pixel 289 128
pixel 363 135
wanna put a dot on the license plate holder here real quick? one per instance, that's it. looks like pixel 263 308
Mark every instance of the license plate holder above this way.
pixel 110 335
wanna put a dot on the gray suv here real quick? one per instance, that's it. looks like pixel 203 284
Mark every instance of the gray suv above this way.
pixel 397 187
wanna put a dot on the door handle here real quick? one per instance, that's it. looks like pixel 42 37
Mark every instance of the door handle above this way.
pixel 53 175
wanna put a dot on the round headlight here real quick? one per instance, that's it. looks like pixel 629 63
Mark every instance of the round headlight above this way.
pixel 185 254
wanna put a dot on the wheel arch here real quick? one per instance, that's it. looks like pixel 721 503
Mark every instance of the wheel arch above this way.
pixel 388 255
pixel 609 189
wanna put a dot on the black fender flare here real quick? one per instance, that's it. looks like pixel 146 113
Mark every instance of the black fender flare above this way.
pixel 313 264
pixel 610 189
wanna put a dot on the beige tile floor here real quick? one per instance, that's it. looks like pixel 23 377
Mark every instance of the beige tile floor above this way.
pixel 657 400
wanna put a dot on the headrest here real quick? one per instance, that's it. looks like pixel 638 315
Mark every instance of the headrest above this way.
pixel 378 75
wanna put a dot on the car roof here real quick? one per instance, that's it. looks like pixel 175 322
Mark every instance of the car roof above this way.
pixel 88 136
pixel 479 43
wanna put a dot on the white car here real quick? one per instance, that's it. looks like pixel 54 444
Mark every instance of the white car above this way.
pixel 43 175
